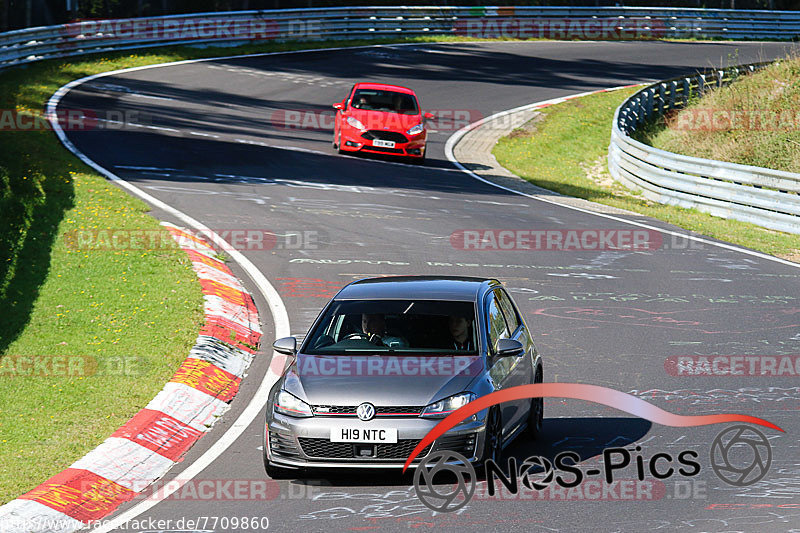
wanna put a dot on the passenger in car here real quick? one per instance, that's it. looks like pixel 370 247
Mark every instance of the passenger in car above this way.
pixel 461 332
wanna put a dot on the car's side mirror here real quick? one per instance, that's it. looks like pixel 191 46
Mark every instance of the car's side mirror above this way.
pixel 338 105
pixel 286 346
pixel 430 116
pixel 509 347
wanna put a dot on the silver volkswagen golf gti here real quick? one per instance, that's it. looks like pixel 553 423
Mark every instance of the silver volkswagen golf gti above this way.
pixel 386 360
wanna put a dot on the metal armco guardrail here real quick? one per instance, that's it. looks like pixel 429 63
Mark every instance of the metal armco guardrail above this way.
pixel 32 44
pixel 769 198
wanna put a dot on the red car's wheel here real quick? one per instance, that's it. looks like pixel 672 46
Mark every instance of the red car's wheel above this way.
pixel 339 144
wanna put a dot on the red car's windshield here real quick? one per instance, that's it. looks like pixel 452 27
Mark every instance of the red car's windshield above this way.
pixel 387 101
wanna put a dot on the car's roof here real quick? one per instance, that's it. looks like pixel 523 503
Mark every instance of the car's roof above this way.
pixel 452 288
pixel 384 87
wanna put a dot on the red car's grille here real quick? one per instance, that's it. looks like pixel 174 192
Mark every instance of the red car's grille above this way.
pixel 384 136
pixel 383 149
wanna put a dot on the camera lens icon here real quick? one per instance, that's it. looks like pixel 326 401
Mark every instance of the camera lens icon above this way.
pixel 445 497
pixel 741 455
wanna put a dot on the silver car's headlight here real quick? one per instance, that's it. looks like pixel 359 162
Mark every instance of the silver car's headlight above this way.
pixel 442 408
pixel 355 123
pixel 291 405
pixel 416 130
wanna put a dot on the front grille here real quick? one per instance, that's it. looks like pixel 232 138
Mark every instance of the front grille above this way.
pixel 325 449
pixel 383 149
pixel 385 136
pixel 463 444
pixel 322 410
pixel 282 444
pixel 346 410
pixel 399 410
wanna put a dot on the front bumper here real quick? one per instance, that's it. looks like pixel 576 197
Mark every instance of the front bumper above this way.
pixel 305 442
pixel 355 141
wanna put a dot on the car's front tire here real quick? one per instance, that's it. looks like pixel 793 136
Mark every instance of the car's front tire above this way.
pixel 536 412
pixel 339 144
pixel 418 160
pixel 493 437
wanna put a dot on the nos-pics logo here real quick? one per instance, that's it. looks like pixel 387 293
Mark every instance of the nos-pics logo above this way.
pixel 445 481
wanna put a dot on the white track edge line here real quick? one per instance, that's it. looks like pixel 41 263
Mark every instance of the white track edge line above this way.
pixel 453 140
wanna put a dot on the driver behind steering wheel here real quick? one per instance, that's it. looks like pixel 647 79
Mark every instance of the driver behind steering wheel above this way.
pixel 374 326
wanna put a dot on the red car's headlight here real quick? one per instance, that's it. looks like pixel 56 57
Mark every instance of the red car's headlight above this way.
pixel 355 123
pixel 416 130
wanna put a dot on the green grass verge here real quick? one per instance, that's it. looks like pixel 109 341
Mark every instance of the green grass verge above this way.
pixel 753 121
pixel 565 150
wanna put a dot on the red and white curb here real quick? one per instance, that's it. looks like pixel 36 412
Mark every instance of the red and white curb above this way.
pixel 150 443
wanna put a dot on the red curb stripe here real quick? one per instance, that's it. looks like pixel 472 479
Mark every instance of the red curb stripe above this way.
pixel 215 288
pixel 197 257
pixel 178 234
pixel 230 336
pixel 208 378
pixel 226 323
pixel 80 494
pixel 159 432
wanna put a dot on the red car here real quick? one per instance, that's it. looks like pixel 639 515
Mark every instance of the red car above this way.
pixel 381 119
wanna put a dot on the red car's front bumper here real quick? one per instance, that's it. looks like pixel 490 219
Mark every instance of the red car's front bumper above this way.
pixel 353 140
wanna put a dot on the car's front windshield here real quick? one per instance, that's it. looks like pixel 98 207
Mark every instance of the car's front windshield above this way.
pixel 387 101
pixel 394 326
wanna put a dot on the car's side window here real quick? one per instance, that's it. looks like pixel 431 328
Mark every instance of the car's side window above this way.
pixel 349 97
pixel 498 329
pixel 508 310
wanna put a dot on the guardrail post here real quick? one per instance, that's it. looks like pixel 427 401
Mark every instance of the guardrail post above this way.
pixel 687 91
pixel 662 98
pixel 673 88
pixel 701 85
pixel 648 101
pixel 640 115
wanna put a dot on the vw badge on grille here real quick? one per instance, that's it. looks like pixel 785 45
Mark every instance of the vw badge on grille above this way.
pixel 366 411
